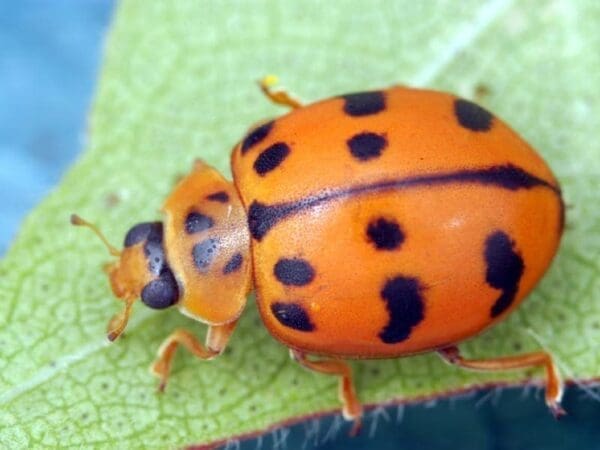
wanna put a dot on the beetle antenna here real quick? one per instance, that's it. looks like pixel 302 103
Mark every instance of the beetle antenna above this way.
pixel 78 221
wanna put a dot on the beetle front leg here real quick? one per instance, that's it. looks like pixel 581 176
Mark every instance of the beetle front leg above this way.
pixel 554 385
pixel 217 338
pixel 352 409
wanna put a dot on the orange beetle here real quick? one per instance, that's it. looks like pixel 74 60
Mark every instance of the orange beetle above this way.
pixel 371 225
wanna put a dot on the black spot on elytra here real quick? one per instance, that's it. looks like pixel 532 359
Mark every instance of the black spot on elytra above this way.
pixel 161 292
pixel 255 136
pixel 385 234
pixel 472 116
pixel 365 146
pixel 292 315
pixel 203 253
pixel 294 271
pixel 270 158
pixel 364 103
pixel 504 269
pixel 404 303
pixel 221 197
pixel 196 222
pixel 233 264
pixel 141 232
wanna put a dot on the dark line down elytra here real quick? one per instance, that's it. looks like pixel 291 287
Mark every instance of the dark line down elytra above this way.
pixel 261 217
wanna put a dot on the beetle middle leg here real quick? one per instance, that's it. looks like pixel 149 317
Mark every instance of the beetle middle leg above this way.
pixel 554 385
pixel 352 409
pixel 217 338
pixel 278 96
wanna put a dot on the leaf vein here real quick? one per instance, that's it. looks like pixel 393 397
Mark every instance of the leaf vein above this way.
pixel 465 38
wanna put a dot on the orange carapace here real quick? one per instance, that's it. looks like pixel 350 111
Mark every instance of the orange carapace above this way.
pixel 371 225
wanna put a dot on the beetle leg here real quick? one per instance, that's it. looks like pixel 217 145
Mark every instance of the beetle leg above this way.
pixel 554 385
pixel 216 341
pixel 279 96
pixel 352 409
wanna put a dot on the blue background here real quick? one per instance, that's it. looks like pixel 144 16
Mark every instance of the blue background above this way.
pixel 49 57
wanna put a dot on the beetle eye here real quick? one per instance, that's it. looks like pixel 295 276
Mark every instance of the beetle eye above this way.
pixel 142 231
pixel 161 292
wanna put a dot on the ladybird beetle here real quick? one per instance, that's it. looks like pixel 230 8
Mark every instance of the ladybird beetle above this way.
pixel 378 224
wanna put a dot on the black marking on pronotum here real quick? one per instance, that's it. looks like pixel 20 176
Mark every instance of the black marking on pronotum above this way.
pixel 233 264
pixel 292 315
pixel 404 303
pixel 294 271
pixel 221 197
pixel 472 116
pixel 385 234
pixel 261 217
pixel 161 292
pixel 364 103
pixel 270 158
pixel 504 269
pixel 203 253
pixel 365 146
pixel 257 135
pixel 196 222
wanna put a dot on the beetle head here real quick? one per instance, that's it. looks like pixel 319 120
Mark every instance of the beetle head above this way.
pixel 141 271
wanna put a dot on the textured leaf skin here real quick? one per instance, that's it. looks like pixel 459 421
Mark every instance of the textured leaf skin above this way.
pixel 178 83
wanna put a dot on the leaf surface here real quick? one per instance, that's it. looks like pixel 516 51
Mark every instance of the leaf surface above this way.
pixel 178 83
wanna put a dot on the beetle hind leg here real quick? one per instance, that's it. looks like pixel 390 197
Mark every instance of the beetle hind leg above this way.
pixel 352 409
pixel 554 385
pixel 278 96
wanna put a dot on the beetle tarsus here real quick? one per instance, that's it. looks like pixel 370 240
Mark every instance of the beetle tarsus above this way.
pixel 557 410
pixel 356 427
pixel 277 96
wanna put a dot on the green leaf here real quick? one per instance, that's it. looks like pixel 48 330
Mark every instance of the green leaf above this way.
pixel 178 83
